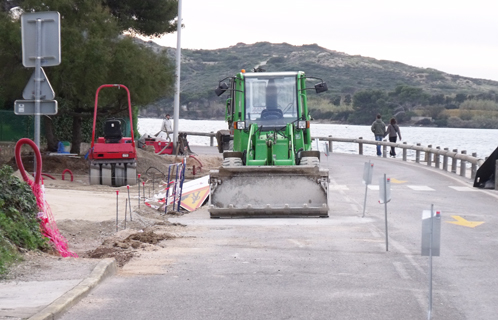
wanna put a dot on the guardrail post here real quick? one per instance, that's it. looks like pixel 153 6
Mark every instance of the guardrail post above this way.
pixel 404 152
pixel 428 156
pixel 360 146
pixel 445 160
pixel 384 150
pixel 473 169
pixel 417 154
pixel 330 144
pixel 463 165
pixel 453 162
pixel 436 157
pixel 211 138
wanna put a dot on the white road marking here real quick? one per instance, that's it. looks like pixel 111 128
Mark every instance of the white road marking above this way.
pixel 420 188
pixel 465 189
pixel 338 187
pixel 373 187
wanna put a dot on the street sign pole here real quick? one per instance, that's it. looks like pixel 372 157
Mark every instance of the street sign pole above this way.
pixel 37 81
pixel 40 47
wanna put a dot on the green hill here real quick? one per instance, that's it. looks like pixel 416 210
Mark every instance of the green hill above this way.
pixel 345 74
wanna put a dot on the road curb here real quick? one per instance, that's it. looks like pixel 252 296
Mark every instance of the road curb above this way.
pixel 105 268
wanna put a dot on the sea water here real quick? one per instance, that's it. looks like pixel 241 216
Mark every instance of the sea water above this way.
pixel 481 141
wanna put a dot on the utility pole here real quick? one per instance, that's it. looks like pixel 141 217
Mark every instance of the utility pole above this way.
pixel 176 115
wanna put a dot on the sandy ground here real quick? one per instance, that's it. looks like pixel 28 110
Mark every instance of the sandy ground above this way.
pixel 92 218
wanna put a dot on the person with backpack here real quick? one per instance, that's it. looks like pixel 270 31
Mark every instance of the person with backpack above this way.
pixel 379 130
pixel 393 132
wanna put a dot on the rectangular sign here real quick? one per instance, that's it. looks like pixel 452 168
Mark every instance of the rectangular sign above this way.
pixel 367 173
pixel 27 107
pixel 384 185
pixel 427 225
pixel 46 28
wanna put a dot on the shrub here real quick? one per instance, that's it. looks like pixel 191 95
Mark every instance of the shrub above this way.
pixel 19 227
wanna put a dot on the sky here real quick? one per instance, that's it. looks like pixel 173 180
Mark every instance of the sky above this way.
pixel 456 36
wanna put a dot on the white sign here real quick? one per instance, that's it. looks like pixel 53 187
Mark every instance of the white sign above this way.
pixel 27 107
pixel 384 184
pixel 46 91
pixel 46 26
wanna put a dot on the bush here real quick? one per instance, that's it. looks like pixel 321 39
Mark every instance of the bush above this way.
pixel 19 227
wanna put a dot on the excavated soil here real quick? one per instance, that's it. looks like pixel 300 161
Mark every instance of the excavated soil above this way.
pixel 90 240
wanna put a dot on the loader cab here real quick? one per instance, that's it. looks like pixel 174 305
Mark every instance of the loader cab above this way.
pixel 271 99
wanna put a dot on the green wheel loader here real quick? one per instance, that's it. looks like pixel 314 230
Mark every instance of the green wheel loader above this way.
pixel 269 168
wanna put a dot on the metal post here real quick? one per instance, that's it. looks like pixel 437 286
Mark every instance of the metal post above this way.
pixel 445 160
pixel 178 65
pixel 453 162
pixel 176 184
pixel 37 84
pixel 129 201
pixel 211 140
pixel 417 154
pixel 428 156
pixel 181 184
pixel 367 179
pixel 330 143
pixel 436 158
pixel 404 152
pixel 360 146
pixel 167 191
pixel 385 210
pixel 430 262
pixel 139 199
pixel 384 151
pixel 473 169
pixel 117 212
pixel 463 164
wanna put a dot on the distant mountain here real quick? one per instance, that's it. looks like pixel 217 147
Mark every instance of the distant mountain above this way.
pixel 345 74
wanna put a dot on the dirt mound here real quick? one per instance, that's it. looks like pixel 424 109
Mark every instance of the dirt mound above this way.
pixel 123 250
pixel 122 257
pixel 54 165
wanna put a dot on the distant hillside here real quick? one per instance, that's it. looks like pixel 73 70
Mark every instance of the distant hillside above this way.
pixel 345 74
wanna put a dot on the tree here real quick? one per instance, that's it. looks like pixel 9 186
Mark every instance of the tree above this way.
pixel 366 105
pixel 336 100
pixel 145 17
pixel 94 52
pixel 460 97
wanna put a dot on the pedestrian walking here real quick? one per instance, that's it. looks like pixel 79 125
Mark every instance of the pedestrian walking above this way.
pixel 379 130
pixel 393 133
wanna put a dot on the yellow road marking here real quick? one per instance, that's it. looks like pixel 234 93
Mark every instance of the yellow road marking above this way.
pixel 465 223
pixel 397 181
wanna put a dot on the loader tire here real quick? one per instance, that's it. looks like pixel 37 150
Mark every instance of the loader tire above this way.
pixel 232 162
pixel 310 161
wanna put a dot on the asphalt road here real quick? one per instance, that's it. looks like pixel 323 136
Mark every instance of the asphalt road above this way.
pixel 312 268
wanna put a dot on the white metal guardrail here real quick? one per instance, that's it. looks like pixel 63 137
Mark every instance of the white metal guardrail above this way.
pixel 443 159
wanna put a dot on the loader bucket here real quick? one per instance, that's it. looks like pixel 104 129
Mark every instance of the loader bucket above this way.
pixel 269 191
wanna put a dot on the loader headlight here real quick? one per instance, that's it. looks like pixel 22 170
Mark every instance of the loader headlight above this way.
pixel 241 125
pixel 301 124
pixel 125 155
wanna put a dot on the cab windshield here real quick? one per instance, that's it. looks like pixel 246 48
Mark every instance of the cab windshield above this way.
pixel 271 101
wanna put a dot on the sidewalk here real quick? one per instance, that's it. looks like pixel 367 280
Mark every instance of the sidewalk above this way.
pixel 41 299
